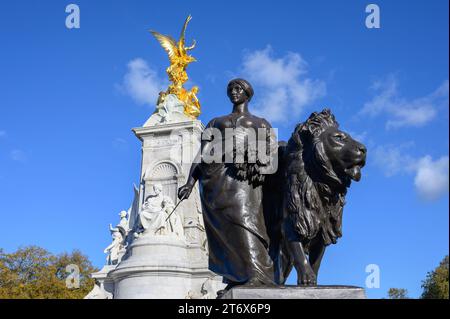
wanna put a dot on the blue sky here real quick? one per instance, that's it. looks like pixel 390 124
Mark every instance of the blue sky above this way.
pixel 69 98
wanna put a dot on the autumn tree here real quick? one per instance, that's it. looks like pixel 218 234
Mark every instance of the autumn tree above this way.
pixel 397 293
pixel 435 285
pixel 33 272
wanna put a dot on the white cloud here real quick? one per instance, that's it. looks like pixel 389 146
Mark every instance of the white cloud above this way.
pixel 400 111
pixel 431 177
pixel 281 88
pixel 393 159
pixel 18 155
pixel 142 83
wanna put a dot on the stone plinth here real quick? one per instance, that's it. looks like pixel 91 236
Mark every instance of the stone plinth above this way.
pixel 295 292
pixel 162 267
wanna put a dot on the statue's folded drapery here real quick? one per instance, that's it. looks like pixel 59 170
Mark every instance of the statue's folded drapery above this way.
pixel 235 228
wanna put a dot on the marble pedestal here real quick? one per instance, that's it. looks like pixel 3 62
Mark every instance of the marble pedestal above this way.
pixel 295 292
pixel 160 267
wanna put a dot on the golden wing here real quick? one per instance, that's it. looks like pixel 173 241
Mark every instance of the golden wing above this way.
pixel 182 35
pixel 168 44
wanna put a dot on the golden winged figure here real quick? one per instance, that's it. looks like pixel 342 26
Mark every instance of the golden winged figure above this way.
pixel 179 60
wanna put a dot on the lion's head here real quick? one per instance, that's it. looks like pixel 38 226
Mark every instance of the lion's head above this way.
pixel 321 161
pixel 335 155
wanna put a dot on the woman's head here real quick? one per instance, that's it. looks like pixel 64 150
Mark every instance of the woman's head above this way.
pixel 157 188
pixel 239 91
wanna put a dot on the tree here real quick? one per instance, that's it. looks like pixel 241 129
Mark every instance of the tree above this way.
pixel 32 272
pixel 435 285
pixel 398 293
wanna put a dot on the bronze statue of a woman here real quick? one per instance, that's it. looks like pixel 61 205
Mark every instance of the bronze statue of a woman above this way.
pixel 231 195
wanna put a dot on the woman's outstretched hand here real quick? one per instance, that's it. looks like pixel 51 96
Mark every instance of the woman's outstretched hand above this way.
pixel 184 191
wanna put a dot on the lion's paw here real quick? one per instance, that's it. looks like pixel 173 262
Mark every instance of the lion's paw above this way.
pixel 307 278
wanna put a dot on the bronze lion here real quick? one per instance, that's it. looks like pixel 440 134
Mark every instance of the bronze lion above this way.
pixel 316 167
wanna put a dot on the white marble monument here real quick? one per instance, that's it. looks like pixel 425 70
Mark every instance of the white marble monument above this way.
pixel 156 254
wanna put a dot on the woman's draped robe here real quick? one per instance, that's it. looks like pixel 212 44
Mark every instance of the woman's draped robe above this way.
pixel 235 225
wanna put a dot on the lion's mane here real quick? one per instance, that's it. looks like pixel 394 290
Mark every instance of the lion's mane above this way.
pixel 314 194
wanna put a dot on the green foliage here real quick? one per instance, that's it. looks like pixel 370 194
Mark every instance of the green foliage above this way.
pixel 397 293
pixel 32 272
pixel 435 285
